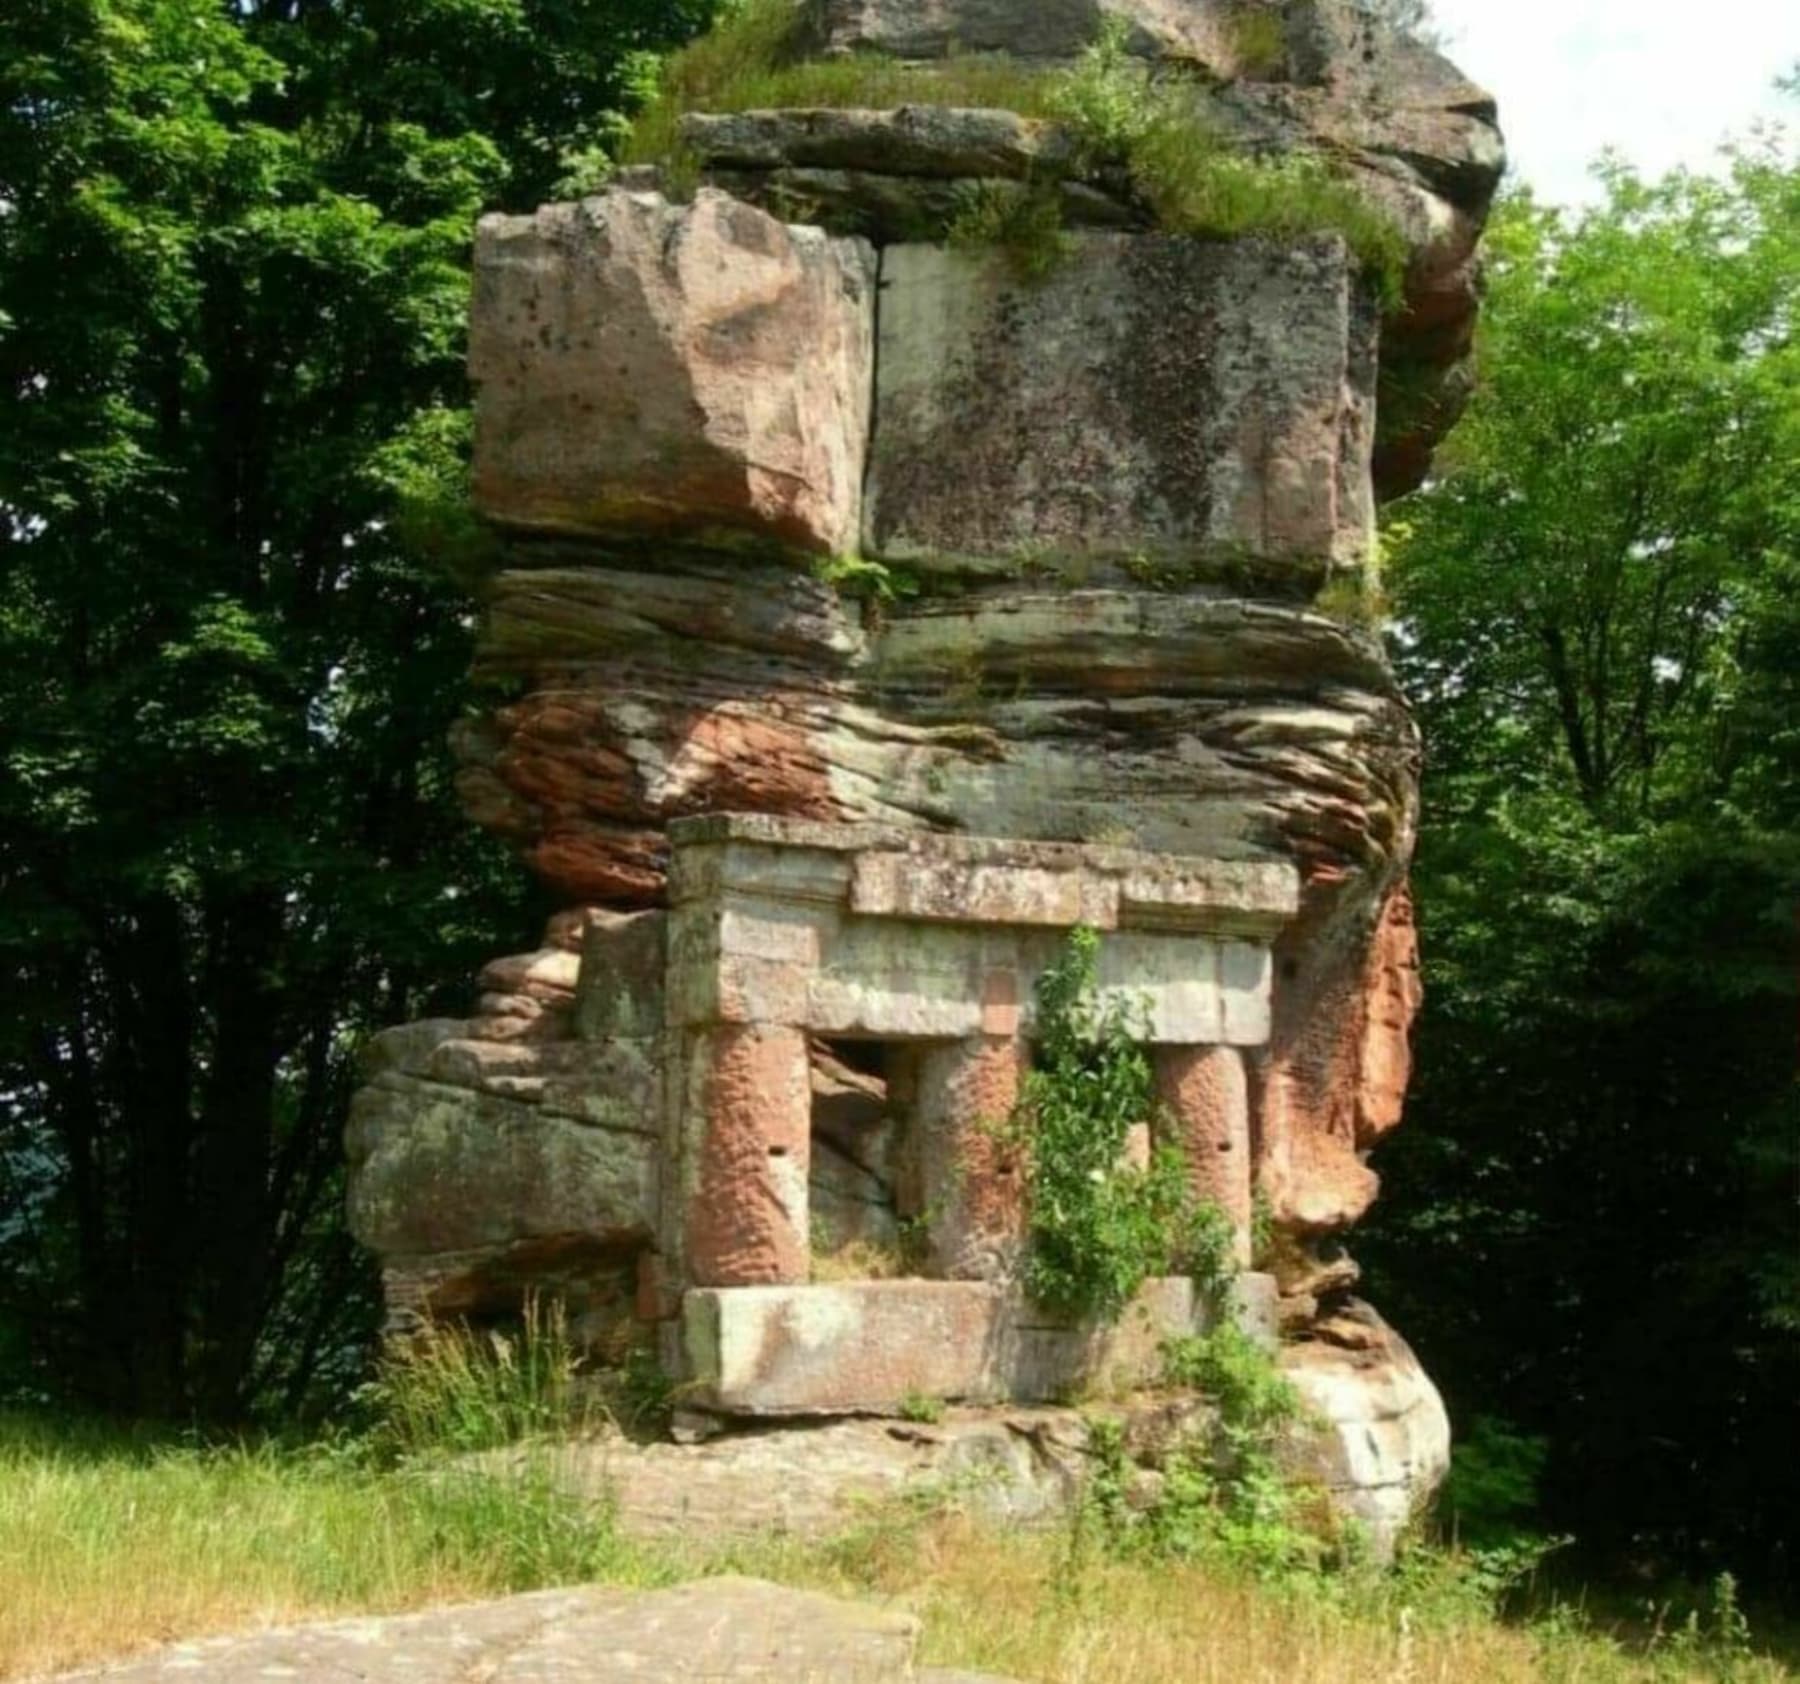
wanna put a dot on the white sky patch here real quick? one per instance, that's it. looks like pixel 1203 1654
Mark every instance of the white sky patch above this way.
pixel 1663 82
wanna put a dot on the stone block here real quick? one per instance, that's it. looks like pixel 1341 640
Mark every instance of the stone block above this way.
pixel 1196 31
pixel 1255 1305
pixel 868 1346
pixel 697 370
pixel 1052 1360
pixel 916 140
pixel 619 989
pixel 1170 983
pixel 838 1350
pixel 1196 404
pixel 950 891
pixel 440 1169
pixel 899 981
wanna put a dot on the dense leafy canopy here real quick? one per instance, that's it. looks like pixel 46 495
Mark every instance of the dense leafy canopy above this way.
pixel 1591 1223
pixel 232 418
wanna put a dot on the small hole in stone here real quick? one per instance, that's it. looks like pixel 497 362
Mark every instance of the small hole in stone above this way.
pixel 777 1151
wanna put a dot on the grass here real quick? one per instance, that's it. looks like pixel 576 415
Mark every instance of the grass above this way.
pixel 859 1260
pixel 458 1388
pixel 748 62
pixel 1259 41
pixel 1193 180
pixel 109 1543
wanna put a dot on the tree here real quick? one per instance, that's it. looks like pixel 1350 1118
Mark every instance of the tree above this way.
pixel 1591 1219
pixel 233 246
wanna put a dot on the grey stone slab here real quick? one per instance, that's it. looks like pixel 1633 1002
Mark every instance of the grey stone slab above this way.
pixel 714 1630
pixel 916 140
pixel 1153 400
pixel 440 1169
pixel 870 1346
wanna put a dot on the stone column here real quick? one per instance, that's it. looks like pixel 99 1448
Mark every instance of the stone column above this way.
pixel 747 1151
pixel 973 1181
pixel 1206 1091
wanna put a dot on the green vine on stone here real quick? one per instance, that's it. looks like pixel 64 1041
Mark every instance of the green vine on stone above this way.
pixel 1100 1225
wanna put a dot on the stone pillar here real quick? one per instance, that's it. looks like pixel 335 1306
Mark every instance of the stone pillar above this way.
pixel 747 1151
pixel 973 1180
pixel 1206 1092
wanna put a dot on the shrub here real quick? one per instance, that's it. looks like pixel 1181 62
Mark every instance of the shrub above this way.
pixel 1100 1227
pixel 1493 1486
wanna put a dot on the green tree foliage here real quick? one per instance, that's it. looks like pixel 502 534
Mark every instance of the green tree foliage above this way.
pixel 1591 1222
pixel 233 247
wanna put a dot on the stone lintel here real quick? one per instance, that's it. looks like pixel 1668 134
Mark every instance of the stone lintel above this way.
pixel 764 962
pixel 866 1347
pixel 978 879
pixel 896 885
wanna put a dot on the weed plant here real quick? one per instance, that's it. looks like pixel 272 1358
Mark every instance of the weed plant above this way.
pixel 1121 117
pixel 1100 1226
pixel 454 1388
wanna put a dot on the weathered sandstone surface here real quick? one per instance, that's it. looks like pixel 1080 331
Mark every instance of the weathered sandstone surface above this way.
pixel 716 1631
pixel 867 615
pixel 649 370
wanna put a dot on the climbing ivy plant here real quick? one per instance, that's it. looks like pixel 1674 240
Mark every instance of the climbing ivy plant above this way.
pixel 1101 1226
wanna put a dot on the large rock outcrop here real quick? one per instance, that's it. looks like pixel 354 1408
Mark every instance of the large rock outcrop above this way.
pixel 992 598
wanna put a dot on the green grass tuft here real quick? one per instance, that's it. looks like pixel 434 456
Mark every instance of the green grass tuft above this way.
pixel 456 1388
pixel 1259 41
pixel 1192 178
pixel 1023 220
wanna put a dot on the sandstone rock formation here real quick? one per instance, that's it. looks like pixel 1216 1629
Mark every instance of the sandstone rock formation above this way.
pixel 989 603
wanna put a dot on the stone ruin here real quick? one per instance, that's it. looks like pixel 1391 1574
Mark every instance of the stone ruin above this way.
pixel 816 844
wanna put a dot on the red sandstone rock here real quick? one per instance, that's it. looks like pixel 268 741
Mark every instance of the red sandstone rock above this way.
pixel 646 367
pixel 746 1220
pixel 975 1173
pixel 1206 1096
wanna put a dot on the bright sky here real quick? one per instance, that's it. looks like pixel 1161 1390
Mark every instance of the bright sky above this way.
pixel 1663 81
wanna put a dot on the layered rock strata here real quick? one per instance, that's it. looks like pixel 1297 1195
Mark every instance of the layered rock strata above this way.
pixel 930 563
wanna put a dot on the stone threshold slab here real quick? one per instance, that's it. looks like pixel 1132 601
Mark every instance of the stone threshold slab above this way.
pixel 882 1347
